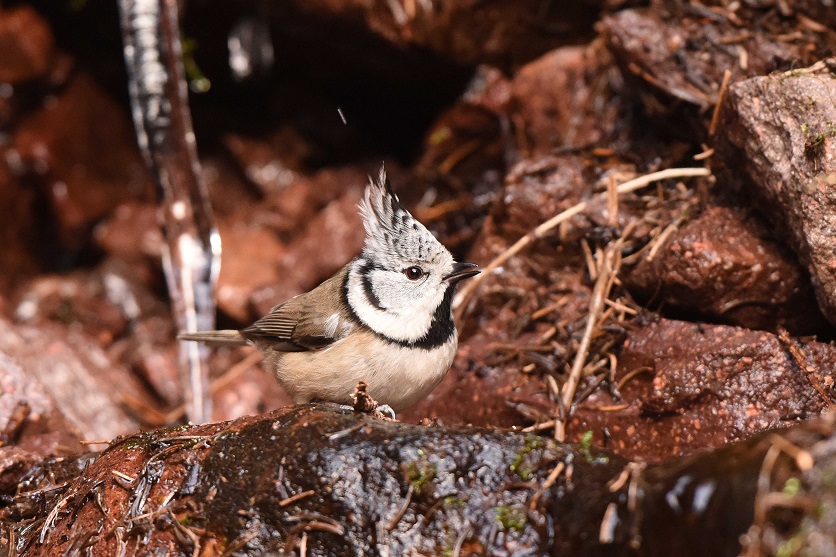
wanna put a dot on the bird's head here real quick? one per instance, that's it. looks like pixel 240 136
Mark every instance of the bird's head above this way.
pixel 401 284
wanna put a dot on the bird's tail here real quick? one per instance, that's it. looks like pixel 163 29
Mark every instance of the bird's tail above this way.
pixel 215 337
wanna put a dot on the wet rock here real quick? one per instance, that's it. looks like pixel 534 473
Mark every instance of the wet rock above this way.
pixel 698 386
pixel 677 52
pixel 253 391
pixel 337 483
pixel 30 65
pixel 31 424
pixel 291 211
pixel 571 97
pixel 504 35
pixel 540 188
pixel 498 336
pixel 105 303
pixel 86 385
pixel 251 260
pixel 270 164
pixel 465 152
pixel 725 265
pixel 780 140
pixel 17 229
pixel 131 232
pixel 79 150
pixel 305 263
pixel 27 45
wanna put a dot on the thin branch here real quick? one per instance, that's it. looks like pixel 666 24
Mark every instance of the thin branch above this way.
pixel 464 294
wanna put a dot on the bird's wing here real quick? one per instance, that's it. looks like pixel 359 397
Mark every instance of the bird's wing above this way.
pixel 307 322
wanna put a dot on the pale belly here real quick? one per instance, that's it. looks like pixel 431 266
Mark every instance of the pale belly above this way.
pixel 396 376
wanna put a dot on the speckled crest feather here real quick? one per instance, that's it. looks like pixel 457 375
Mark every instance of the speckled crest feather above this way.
pixel 392 234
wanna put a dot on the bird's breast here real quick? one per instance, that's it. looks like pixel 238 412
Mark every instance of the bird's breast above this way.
pixel 396 375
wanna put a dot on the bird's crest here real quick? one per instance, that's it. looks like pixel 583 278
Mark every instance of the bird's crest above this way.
pixel 390 230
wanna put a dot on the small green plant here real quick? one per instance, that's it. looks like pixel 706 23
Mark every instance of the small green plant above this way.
pixel 511 517
pixel 419 476
pixel 453 501
pixel 585 449
pixel 519 466
pixel 792 487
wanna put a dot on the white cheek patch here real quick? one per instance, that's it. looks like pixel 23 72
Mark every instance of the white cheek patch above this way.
pixel 407 318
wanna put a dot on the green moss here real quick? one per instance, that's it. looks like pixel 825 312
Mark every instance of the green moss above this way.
pixel 816 138
pixel 419 475
pixel 454 502
pixel 792 487
pixel 789 547
pixel 585 449
pixel 586 441
pixel 519 465
pixel 511 517
pixel 139 441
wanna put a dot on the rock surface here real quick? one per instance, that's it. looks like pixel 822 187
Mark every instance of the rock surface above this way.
pixel 781 141
pixel 334 483
pixel 694 386
pixel 726 266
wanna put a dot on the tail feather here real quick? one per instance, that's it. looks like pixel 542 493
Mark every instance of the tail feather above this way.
pixel 215 337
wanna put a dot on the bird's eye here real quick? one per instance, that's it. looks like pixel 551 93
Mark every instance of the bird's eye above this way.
pixel 414 273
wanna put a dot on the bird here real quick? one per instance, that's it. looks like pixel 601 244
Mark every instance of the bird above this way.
pixel 385 318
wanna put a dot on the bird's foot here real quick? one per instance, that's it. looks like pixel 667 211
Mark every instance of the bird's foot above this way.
pixel 386 411
pixel 363 402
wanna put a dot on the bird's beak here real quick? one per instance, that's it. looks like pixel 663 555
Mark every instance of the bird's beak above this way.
pixel 461 271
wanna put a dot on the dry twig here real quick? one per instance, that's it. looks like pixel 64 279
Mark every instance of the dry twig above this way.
pixel 800 360
pixel 715 118
pixel 608 267
pixel 464 294
pixel 556 471
pixel 402 511
pixel 297 497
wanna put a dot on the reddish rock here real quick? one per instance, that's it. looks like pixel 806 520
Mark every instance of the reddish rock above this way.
pixel 253 392
pixel 570 97
pixel 26 45
pixel 17 229
pixel 459 174
pixel 85 384
pixel 704 386
pixel 537 189
pixel 342 483
pixel 30 420
pixel 30 66
pixel 780 140
pixel 251 258
pixel 106 303
pixel 131 232
pixel 328 241
pixel 80 151
pixel 725 265
pixel 469 32
pixel 270 164
pixel 677 52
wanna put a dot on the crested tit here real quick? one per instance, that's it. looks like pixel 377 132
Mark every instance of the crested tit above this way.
pixel 385 318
